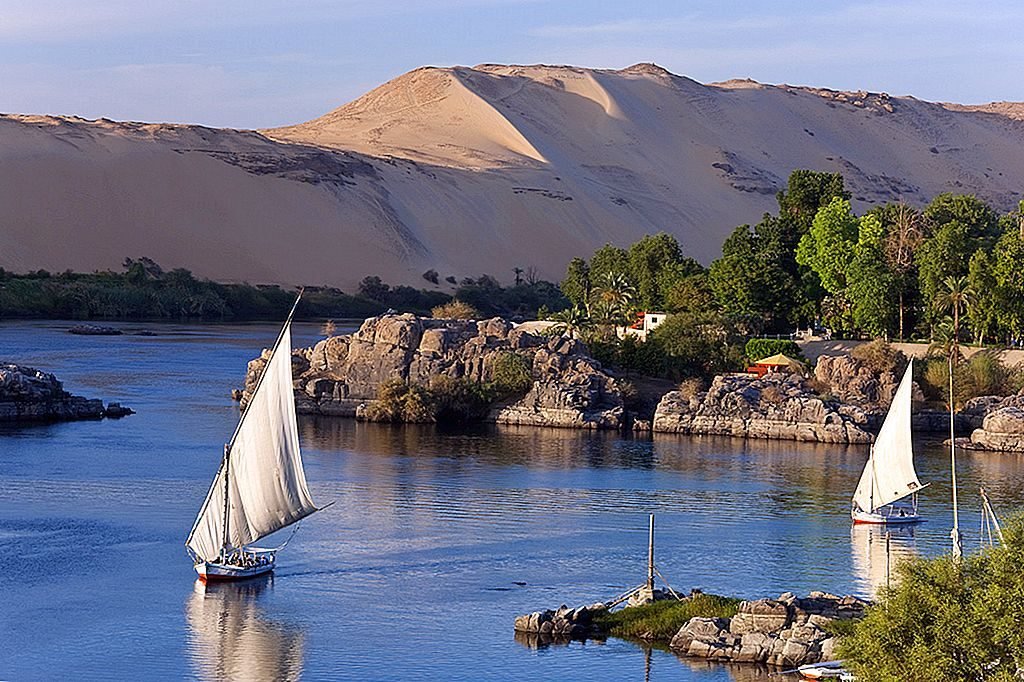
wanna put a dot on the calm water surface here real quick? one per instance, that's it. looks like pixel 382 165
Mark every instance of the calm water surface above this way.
pixel 438 538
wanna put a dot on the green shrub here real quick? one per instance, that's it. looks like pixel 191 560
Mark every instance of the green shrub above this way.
pixel 661 620
pixel 455 310
pixel 946 620
pixel 880 356
pixel 461 399
pixel 758 349
pixel 401 401
pixel 512 374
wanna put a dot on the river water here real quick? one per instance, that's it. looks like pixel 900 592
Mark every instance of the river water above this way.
pixel 437 539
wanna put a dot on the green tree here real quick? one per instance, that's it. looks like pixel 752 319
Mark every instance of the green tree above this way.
pixel 828 248
pixel 983 316
pixel 656 262
pixel 1008 266
pixel 576 285
pixel 945 254
pixel 904 234
pixel 946 620
pixel 870 285
pixel 608 260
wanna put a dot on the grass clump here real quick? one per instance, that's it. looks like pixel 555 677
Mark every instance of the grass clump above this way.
pixel 661 620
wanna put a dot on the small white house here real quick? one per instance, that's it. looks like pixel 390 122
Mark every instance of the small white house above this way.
pixel 646 322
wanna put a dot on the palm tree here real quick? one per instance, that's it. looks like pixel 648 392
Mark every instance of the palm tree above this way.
pixel 956 298
pixel 613 300
pixel 573 322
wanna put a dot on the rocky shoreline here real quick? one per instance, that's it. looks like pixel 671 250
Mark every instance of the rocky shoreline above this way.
pixel 843 402
pixel 787 631
pixel 27 394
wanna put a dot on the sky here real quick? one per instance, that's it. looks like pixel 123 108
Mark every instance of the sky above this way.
pixel 263 63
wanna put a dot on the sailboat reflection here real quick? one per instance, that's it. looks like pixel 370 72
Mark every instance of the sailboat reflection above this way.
pixel 875 556
pixel 230 637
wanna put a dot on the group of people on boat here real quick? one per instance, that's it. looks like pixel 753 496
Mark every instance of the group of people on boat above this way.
pixel 246 559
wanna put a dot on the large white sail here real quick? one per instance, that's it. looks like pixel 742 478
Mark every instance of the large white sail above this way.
pixel 889 474
pixel 266 484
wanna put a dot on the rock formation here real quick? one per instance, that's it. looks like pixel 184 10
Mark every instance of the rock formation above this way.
pixel 777 406
pixel 1001 425
pixel 788 631
pixel 26 394
pixel 341 375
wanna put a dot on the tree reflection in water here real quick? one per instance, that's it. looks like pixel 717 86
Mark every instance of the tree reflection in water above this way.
pixel 231 638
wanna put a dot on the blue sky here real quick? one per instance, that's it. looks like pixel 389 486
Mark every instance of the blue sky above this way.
pixel 273 62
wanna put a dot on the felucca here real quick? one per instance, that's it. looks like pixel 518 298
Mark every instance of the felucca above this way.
pixel 260 487
pixel 889 475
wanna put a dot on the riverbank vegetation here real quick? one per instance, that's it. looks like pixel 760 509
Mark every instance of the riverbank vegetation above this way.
pixel 946 620
pixel 661 620
pixel 145 291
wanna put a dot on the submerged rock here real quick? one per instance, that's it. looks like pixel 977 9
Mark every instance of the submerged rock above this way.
pixel 776 406
pixel 27 394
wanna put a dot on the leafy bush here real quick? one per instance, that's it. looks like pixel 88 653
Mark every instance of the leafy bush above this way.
pixel 459 400
pixel 661 620
pixel 512 374
pixel 455 310
pixel 401 401
pixel 946 620
pixel 631 399
pixel 758 349
pixel 691 387
pixel 880 356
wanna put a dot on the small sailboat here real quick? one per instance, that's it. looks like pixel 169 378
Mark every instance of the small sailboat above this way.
pixel 260 487
pixel 822 671
pixel 889 475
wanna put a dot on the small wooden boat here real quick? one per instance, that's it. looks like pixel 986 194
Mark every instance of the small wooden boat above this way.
pixel 823 671
pixel 260 487
pixel 889 476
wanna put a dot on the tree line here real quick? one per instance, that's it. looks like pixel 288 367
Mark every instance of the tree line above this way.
pixel 896 271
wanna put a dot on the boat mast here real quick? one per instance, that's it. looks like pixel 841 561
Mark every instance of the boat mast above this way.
pixel 227 497
pixel 955 532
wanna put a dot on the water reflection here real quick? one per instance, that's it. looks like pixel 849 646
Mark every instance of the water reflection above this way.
pixel 231 638
pixel 876 552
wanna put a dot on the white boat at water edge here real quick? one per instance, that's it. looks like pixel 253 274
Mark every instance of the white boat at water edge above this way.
pixel 260 487
pixel 889 477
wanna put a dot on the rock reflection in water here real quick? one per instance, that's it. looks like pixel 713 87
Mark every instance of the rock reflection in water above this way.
pixel 231 638
pixel 874 565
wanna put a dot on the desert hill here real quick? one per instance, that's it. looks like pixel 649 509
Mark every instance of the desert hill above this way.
pixel 473 170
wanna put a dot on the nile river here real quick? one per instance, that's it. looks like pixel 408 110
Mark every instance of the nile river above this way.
pixel 437 538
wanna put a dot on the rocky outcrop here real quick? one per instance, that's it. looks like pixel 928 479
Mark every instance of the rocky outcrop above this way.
pixel 776 406
pixel 788 631
pixel 561 623
pixel 26 394
pixel 341 375
pixel 853 382
pixel 1002 423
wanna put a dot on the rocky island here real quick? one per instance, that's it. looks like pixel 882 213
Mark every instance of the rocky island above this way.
pixel 787 631
pixel 27 394
pixel 563 385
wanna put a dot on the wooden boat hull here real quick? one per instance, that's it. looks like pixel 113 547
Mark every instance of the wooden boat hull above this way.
pixel 210 571
pixel 822 671
pixel 898 517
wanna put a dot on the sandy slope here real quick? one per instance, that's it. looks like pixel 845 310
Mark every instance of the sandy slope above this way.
pixel 476 170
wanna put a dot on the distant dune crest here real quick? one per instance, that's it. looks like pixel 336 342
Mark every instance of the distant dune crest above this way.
pixel 472 170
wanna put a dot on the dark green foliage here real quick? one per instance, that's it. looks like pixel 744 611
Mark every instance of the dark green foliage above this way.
pixel 656 264
pixel 512 374
pixel 517 302
pixel 459 400
pixel 661 620
pixel 758 349
pixel 576 285
pixel 946 620
pixel 401 401
pixel 431 276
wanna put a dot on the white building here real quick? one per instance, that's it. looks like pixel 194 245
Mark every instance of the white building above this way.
pixel 646 322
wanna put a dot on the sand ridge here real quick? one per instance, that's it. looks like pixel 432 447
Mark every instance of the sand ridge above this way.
pixel 468 170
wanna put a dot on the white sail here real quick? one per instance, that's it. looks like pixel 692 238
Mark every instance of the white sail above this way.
pixel 266 484
pixel 889 474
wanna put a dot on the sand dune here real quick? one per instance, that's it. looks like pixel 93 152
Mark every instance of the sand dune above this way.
pixel 473 170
